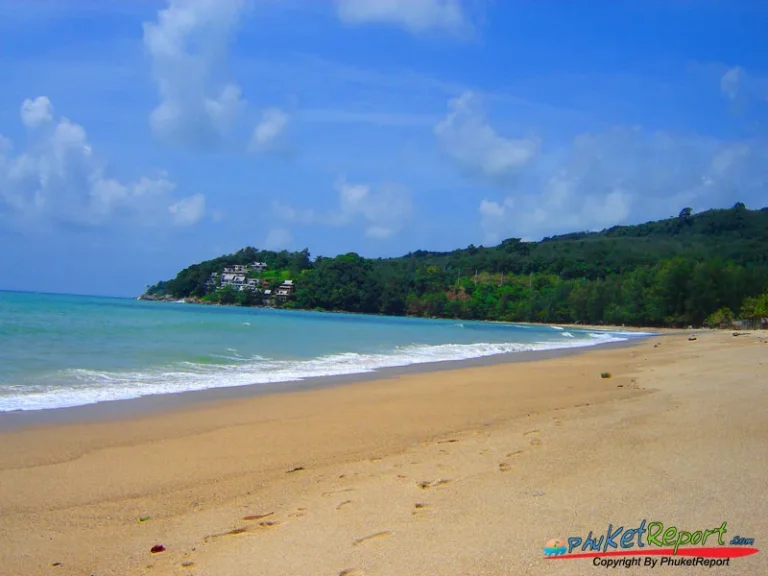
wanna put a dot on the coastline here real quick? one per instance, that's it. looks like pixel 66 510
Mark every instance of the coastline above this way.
pixel 470 469
pixel 608 327
pixel 163 403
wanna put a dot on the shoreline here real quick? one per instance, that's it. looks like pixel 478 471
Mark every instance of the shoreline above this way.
pixel 607 327
pixel 470 469
pixel 163 403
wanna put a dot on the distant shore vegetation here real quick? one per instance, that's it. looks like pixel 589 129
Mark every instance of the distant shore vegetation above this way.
pixel 700 269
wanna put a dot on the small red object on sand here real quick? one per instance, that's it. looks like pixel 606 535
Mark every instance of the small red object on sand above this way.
pixel 157 548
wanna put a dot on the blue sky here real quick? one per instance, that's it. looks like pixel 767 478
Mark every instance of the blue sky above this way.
pixel 138 137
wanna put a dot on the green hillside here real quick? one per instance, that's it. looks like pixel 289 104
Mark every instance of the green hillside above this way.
pixel 691 269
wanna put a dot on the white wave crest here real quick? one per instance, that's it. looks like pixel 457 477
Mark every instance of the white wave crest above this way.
pixel 90 387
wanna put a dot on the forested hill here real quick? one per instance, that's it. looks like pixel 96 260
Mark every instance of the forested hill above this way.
pixel 690 269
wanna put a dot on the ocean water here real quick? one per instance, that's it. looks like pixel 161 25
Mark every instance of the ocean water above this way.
pixel 58 351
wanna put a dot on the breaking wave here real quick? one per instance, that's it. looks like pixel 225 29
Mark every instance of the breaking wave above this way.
pixel 76 387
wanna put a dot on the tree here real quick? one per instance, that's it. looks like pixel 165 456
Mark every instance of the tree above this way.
pixel 683 270
pixel 722 318
pixel 755 308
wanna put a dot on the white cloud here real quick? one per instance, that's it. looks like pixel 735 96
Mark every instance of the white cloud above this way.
pixel 269 130
pixel 383 211
pixel 187 46
pixel 730 83
pixel 465 135
pixel 59 179
pixel 37 111
pixel 603 179
pixel 416 16
pixel 278 239
pixel 379 232
pixel 188 211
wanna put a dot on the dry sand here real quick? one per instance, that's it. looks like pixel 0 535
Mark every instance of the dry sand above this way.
pixel 462 472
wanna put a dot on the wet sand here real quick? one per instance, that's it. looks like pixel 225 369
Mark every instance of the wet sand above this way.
pixel 464 471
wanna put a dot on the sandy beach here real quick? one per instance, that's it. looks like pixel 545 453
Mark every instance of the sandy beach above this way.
pixel 462 472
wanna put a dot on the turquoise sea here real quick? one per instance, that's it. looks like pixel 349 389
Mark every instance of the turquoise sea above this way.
pixel 58 351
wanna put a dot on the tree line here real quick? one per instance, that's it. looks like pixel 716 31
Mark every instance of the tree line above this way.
pixel 692 269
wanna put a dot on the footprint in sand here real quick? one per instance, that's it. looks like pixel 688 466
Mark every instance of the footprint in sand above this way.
pixel 505 467
pixel 535 441
pixel 367 539
pixel 341 505
pixel 420 508
pixel 341 490
pixel 351 572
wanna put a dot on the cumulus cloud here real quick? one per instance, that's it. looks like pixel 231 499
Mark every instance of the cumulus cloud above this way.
pixel 187 46
pixel 416 16
pixel 730 82
pixel 59 179
pixel 268 132
pixel 603 178
pixel 36 112
pixel 467 137
pixel 383 211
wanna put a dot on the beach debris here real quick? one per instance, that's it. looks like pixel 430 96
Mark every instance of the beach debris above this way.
pixel 605 374
pixel 424 484
pixel 187 564
pixel 692 338
pixel 450 441
pixel 420 505
pixel 143 518
pixel 56 564
pixel 297 469
pixel 157 548
pixel 657 344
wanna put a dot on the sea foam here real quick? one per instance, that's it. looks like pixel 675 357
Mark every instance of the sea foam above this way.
pixel 77 387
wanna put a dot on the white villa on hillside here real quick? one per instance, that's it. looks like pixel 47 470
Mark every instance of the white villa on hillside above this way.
pixel 236 277
pixel 285 289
